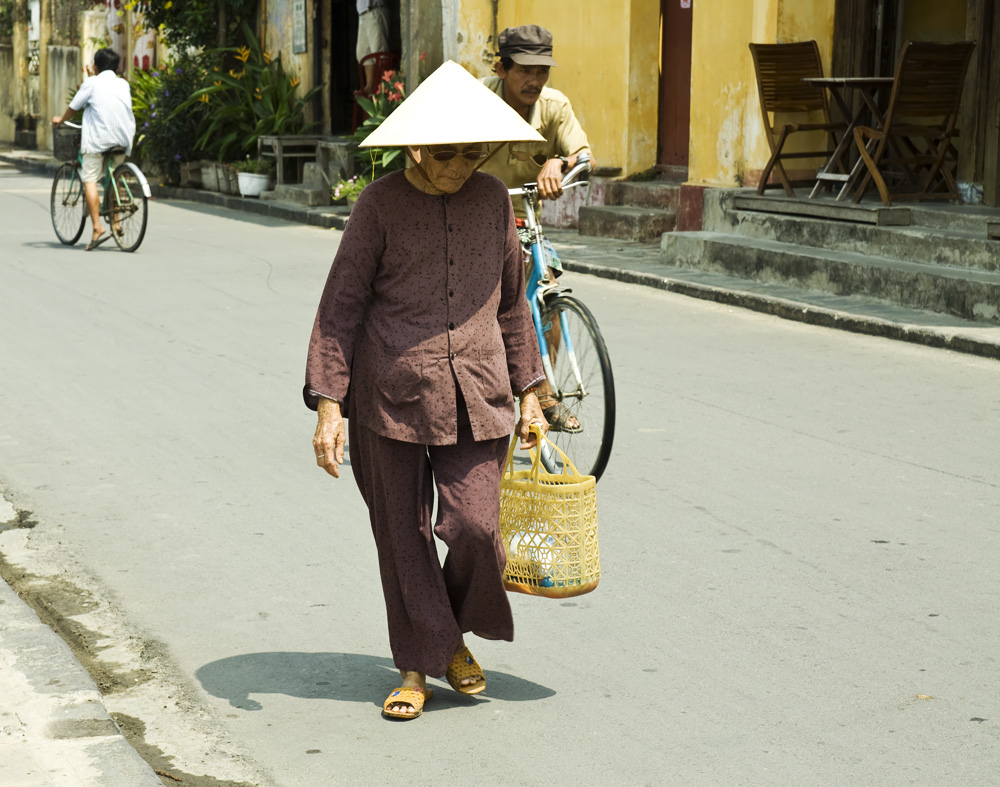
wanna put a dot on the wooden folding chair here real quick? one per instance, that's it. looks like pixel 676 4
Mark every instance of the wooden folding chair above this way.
pixel 780 69
pixel 914 146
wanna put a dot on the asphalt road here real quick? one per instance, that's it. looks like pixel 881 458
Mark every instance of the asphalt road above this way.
pixel 799 532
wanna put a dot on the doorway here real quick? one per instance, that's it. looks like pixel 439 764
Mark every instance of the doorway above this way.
pixel 675 82
pixel 343 77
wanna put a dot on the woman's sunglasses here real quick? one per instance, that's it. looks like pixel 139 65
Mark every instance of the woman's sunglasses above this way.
pixel 448 155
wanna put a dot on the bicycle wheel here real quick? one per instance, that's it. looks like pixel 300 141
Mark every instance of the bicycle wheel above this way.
pixel 125 207
pixel 582 382
pixel 69 208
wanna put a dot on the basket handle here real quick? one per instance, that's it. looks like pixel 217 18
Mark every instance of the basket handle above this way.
pixel 536 456
pixel 569 469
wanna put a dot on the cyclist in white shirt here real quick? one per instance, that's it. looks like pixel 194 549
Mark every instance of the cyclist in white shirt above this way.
pixel 108 125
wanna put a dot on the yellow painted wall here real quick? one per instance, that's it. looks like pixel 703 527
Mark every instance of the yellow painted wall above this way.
pixel 727 132
pixel 608 55
pixel 276 36
pixel 933 20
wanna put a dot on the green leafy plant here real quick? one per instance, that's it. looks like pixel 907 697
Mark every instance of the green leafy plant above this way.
pixel 166 124
pixel 255 97
pixel 6 18
pixel 185 24
pixel 389 94
pixel 348 190
pixel 253 166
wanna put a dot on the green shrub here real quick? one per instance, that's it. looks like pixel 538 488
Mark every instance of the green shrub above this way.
pixel 166 124
pixel 255 97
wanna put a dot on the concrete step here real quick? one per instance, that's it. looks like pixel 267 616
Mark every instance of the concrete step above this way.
pixel 961 248
pixel 313 176
pixel 645 194
pixel 300 194
pixel 973 218
pixel 625 222
pixel 962 292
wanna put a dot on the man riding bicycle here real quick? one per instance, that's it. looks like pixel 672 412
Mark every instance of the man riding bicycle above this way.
pixel 108 129
pixel 521 76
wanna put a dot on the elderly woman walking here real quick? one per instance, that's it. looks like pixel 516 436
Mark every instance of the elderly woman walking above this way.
pixel 422 339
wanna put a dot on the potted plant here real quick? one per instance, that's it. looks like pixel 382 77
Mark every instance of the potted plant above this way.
pixel 347 191
pixel 253 176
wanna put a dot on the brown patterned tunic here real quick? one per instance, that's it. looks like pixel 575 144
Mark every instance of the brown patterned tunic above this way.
pixel 425 290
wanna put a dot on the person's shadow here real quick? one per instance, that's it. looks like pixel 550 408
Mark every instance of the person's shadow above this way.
pixel 348 677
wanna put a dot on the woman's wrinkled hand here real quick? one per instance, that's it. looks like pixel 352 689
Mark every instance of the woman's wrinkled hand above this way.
pixel 330 437
pixel 531 413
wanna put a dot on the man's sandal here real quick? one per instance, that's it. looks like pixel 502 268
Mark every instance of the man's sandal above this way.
pixel 95 242
pixel 558 415
pixel 462 666
pixel 406 695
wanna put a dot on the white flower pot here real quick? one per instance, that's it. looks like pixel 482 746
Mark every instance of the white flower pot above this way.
pixel 253 183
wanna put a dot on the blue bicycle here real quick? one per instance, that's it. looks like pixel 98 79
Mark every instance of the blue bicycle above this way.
pixel 577 366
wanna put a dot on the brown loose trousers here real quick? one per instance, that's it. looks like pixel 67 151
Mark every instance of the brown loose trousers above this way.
pixel 423 332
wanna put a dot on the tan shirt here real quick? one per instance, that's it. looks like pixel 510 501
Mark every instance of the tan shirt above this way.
pixel 425 293
pixel 552 117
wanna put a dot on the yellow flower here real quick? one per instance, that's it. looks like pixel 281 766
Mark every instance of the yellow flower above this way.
pixel 204 98
pixel 267 57
pixel 295 81
pixel 235 75
pixel 243 53
pixel 168 3
pixel 217 83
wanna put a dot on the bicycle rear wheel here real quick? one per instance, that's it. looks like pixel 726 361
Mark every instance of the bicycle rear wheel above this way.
pixel 68 206
pixel 582 382
pixel 125 206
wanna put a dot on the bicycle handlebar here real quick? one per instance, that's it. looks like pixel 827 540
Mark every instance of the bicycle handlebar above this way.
pixel 582 165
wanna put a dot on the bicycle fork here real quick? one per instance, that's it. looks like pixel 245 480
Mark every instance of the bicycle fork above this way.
pixel 536 297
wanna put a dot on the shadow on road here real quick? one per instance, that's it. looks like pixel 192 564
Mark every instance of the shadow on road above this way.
pixel 348 677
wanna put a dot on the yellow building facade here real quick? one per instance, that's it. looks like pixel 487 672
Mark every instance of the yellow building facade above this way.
pixel 610 55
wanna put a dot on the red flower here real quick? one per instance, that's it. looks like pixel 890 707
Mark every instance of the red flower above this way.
pixel 423 57
pixel 398 86
pixel 395 97
pixel 388 75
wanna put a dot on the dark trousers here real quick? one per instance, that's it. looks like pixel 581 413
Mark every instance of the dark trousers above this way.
pixel 428 606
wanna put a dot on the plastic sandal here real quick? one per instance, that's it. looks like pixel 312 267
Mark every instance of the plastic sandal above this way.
pixel 409 695
pixel 463 665
pixel 558 416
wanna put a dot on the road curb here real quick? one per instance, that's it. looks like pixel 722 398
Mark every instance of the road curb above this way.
pixel 797 311
pixel 31 163
pixel 276 210
pixel 54 728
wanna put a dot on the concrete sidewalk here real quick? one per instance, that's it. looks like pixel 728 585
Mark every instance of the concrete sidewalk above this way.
pixel 54 728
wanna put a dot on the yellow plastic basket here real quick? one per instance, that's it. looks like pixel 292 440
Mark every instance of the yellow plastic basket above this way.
pixel 548 523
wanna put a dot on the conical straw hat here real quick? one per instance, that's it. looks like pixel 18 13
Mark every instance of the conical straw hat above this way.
pixel 451 107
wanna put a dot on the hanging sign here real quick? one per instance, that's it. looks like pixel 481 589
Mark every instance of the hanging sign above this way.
pixel 299 26
pixel 685 3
